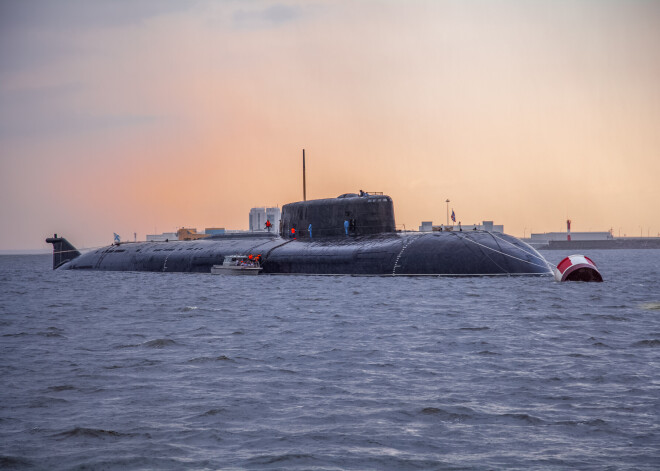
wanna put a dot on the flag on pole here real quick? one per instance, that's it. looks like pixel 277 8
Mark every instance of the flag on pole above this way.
pixel 453 216
pixel 116 237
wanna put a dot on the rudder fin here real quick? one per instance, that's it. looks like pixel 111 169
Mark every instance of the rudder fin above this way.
pixel 63 251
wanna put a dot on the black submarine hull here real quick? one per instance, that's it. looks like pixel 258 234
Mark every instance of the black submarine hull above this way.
pixel 470 253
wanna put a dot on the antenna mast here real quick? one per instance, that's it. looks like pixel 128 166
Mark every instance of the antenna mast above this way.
pixel 304 182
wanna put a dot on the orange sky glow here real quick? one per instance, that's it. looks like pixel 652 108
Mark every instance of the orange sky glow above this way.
pixel 158 115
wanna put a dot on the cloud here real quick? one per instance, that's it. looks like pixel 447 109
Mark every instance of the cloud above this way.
pixel 54 124
pixel 68 15
pixel 52 110
pixel 273 15
pixel 43 32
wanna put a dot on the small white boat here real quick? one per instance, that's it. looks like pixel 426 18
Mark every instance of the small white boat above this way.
pixel 237 265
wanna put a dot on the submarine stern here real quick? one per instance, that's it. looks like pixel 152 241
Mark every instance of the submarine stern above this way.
pixel 63 251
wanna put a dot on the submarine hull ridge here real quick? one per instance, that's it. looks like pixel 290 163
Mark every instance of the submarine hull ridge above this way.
pixel 441 253
pixel 348 235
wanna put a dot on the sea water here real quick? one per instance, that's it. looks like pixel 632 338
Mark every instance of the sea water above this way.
pixel 119 370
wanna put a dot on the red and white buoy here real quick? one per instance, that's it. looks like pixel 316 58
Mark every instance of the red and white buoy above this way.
pixel 577 268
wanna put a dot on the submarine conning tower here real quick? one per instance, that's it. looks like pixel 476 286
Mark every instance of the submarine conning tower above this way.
pixel 349 214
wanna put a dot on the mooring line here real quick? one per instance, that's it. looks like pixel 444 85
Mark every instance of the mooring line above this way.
pixel 505 254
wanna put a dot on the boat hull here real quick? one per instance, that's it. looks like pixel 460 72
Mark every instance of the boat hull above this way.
pixel 394 254
pixel 234 271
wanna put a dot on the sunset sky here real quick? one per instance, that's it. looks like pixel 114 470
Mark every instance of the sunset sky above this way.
pixel 143 116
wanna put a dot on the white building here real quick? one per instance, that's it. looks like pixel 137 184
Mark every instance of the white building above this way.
pixel 259 216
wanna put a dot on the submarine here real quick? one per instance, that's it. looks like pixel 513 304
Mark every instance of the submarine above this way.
pixel 352 234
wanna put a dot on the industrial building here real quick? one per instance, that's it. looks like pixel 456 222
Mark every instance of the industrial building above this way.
pixel 186 233
pixel 258 218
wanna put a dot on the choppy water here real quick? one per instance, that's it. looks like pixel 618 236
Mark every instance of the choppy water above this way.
pixel 105 370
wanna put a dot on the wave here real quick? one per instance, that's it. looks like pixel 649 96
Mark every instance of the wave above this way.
pixel 50 334
pixel 89 433
pixel 647 343
pixel 208 359
pixel 487 352
pixel 206 309
pixel 47 402
pixel 589 423
pixel 130 345
pixel 525 418
pixel 14 462
pixel 610 317
pixel 63 387
pixel 448 416
pixel 465 414
pixel 212 412
pixel 159 343
pixel 291 458
pixel 652 306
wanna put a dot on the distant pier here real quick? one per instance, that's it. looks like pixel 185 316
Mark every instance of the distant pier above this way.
pixel 614 243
